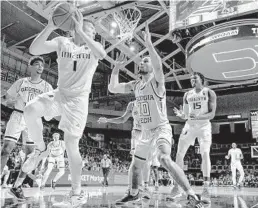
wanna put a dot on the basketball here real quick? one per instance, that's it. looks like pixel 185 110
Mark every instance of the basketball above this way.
pixel 62 16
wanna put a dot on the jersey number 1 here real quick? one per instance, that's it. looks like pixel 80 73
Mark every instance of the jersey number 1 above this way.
pixel 74 65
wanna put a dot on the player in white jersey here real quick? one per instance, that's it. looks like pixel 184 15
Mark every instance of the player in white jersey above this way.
pixel 236 156
pixel 199 107
pixel 131 111
pixel 150 96
pixel 56 150
pixel 77 60
pixel 19 94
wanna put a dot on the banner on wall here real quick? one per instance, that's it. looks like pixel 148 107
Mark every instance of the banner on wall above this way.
pixel 90 178
pixel 254 123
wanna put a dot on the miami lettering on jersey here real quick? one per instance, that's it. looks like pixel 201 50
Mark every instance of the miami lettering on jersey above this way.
pixel 198 102
pixel 65 54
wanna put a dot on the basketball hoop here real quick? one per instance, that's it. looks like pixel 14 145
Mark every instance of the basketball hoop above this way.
pixel 127 20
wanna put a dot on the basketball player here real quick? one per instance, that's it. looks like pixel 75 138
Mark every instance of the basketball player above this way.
pixel 21 92
pixel 150 96
pixel 56 150
pixel 199 107
pixel 77 60
pixel 236 156
pixel 136 134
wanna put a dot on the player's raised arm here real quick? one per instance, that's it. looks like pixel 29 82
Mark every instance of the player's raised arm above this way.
pixel 41 45
pixel 95 46
pixel 155 58
pixel 212 105
pixel 114 85
pixel 121 119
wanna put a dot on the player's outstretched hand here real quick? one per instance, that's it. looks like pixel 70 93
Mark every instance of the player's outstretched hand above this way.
pixel 102 120
pixel 227 157
pixel 179 112
pixel 146 33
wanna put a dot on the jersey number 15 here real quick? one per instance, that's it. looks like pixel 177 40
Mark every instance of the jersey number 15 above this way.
pixel 197 105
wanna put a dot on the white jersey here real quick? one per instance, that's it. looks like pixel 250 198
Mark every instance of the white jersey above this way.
pixel 235 155
pixel 198 102
pixel 151 107
pixel 24 91
pixel 56 150
pixel 76 66
pixel 135 115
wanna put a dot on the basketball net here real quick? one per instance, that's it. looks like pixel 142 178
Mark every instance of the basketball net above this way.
pixel 127 20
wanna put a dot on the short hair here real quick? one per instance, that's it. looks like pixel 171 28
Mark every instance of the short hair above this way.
pixel 56 133
pixel 200 75
pixel 33 59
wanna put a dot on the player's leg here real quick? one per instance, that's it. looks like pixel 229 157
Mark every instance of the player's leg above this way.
pixel 6 174
pixel 75 161
pixel 7 148
pixel 242 174
pixel 13 131
pixel 233 169
pixel 138 162
pixel 45 104
pixel 61 172
pixel 163 142
pixel 29 147
pixel 156 174
pixel 32 114
pixel 186 139
pixel 50 166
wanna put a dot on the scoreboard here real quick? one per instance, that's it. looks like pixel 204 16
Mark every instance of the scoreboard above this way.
pixel 254 123
pixel 187 13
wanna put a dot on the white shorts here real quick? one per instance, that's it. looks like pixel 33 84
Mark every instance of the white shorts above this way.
pixel 59 161
pixel 73 110
pixel 146 149
pixel 236 166
pixel 16 127
pixel 192 131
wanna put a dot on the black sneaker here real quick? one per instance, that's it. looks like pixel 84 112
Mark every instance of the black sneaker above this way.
pixel 18 193
pixel 194 201
pixel 128 198
pixel 53 184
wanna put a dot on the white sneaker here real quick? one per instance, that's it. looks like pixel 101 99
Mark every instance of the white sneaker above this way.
pixel 205 196
pixel 146 193
pixel 175 193
pixel 33 160
pixel 72 200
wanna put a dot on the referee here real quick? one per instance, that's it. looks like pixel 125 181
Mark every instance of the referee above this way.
pixel 106 165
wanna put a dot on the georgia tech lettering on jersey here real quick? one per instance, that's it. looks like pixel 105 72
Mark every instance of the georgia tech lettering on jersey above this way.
pixel 152 107
pixel 198 102
pixel 76 67
pixel 28 90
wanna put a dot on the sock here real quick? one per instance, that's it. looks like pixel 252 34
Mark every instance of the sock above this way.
pixel 146 184
pixel 18 182
pixel 134 192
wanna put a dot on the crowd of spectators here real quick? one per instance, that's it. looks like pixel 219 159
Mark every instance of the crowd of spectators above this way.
pixel 92 155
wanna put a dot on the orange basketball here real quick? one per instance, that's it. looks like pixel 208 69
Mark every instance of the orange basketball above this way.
pixel 62 16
